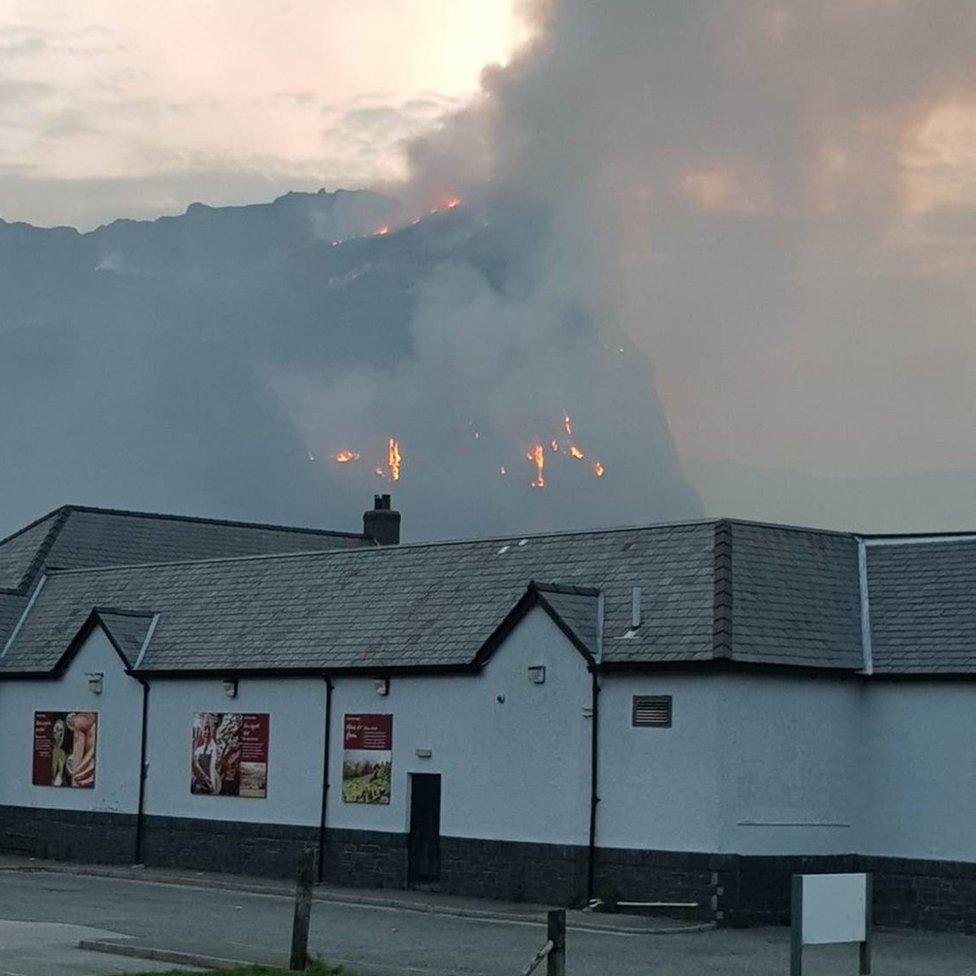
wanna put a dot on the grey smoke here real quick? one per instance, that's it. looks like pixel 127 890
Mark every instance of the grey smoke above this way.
pixel 733 183
pixel 211 363
pixel 717 188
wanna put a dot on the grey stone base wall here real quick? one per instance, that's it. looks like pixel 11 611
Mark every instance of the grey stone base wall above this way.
pixel 660 876
pixel 364 859
pixel 68 835
pixel 731 889
pixel 547 873
pixel 755 890
pixel 228 847
pixel 938 895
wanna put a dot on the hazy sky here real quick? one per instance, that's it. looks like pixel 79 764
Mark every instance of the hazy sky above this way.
pixel 776 199
pixel 111 108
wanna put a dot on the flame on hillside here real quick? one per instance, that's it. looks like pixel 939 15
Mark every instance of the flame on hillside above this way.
pixel 392 464
pixel 537 455
pixel 393 458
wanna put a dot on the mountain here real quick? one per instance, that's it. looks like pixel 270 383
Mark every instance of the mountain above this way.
pixel 210 363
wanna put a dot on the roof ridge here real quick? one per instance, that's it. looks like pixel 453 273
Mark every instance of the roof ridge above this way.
pixel 120 612
pixel 567 589
pixel 203 519
pixel 32 525
pixel 42 551
pixel 376 550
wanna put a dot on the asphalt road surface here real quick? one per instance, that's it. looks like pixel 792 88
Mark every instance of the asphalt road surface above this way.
pixel 43 915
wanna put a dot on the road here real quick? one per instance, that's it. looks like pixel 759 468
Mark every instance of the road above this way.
pixel 385 941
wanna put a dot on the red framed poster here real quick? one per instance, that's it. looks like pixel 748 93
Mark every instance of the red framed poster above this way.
pixel 64 749
pixel 230 754
pixel 367 758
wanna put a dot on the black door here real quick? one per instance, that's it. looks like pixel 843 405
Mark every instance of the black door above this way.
pixel 425 830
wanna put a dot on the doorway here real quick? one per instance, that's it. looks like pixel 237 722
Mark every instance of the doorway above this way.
pixel 424 870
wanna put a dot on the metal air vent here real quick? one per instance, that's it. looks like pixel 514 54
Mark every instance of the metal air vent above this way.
pixel 651 711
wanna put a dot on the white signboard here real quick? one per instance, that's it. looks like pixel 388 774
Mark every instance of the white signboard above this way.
pixel 830 908
pixel 834 908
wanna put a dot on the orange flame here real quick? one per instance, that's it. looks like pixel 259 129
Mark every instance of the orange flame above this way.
pixel 382 231
pixel 567 425
pixel 452 203
pixel 537 455
pixel 576 452
pixel 554 444
pixel 344 457
pixel 393 459
pixel 598 469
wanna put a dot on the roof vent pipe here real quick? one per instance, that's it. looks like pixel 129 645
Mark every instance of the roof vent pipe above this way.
pixel 382 523
pixel 635 607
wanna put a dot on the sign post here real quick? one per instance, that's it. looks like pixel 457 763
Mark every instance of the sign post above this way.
pixel 829 909
pixel 298 958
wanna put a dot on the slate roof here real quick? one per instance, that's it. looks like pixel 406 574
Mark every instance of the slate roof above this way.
pixel 577 608
pixel 21 553
pixel 922 600
pixel 795 597
pixel 77 536
pixel 127 631
pixel 381 609
pixel 711 591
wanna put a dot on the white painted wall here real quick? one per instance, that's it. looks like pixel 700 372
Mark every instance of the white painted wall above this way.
pixel 790 761
pixel 753 764
pixel 920 781
pixel 516 770
pixel 296 707
pixel 117 745
pixel 659 788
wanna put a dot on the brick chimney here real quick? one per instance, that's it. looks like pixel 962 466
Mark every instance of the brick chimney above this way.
pixel 382 523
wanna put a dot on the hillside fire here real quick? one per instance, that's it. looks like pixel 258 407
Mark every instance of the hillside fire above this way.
pixel 537 455
pixel 393 459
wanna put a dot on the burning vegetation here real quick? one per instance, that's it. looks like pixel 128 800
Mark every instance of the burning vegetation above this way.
pixel 535 454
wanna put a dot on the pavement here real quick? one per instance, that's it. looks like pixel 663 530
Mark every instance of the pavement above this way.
pixel 45 913
pixel 434 903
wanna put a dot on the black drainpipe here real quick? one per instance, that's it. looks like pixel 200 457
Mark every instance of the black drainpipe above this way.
pixel 325 778
pixel 594 798
pixel 141 810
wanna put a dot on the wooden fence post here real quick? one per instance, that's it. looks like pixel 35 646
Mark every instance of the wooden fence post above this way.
pixel 556 963
pixel 298 959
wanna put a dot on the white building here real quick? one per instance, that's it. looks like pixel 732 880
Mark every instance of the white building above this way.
pixel 681 713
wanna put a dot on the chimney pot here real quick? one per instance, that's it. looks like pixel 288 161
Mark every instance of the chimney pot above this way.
pixel 382 522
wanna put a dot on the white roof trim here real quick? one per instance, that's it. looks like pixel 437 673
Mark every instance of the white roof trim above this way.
pixel 145 643
pixel 920 540
pixel 23 616
pixel 599 626
pixel 862 577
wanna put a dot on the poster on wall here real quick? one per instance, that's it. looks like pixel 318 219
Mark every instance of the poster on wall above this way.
pixel 367 757
pixel 230 755
pixel 64 749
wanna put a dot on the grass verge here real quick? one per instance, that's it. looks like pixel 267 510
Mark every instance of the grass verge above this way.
pixel 314 969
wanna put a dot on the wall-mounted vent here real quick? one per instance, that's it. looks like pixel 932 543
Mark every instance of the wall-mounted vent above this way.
pixel 651 711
